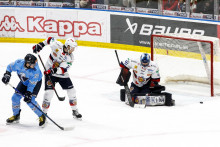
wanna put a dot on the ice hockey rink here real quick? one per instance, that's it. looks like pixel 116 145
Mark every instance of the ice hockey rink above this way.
pixel 107 121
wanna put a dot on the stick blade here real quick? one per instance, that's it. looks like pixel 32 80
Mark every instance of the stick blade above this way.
pixel 61 98
pixel 68 128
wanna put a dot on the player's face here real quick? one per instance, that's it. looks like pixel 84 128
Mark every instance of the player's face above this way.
pixel 69 49
pixel 145 64
pixel 29 65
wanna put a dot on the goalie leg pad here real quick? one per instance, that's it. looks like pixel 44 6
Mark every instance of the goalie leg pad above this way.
pixel 155 99
pixel 122 95
pixel 169 100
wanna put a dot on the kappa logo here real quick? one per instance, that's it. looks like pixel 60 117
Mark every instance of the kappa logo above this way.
pixel 148 29
pixel 63 27
pixel 10 24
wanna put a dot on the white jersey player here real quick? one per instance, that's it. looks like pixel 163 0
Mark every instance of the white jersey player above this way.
pixel 57 66
pixel 145 73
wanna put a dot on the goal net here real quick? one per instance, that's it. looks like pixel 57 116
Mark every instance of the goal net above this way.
pixel 188 58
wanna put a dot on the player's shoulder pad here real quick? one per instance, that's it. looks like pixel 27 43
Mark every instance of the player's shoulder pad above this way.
pixel 153 64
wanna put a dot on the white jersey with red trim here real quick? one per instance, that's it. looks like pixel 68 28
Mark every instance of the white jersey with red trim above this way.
pixel 58 59
pixel 141 74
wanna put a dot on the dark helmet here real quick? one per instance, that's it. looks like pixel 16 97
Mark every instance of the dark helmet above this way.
pixel 29 58
pixel 145 58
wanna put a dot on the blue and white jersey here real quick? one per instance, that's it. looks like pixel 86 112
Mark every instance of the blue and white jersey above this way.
pixel 29 77
pixel 141 74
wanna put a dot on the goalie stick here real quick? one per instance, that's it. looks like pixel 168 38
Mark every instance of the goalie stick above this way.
pixel 127 91
pixel 62 128
pixel 60 98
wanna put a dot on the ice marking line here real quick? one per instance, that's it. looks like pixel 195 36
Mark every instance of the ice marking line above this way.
pixel 101 72
pixel 87 76
pixel 137 136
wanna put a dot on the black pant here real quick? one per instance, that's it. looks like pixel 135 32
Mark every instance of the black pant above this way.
pixel 65 83
pixel 23 89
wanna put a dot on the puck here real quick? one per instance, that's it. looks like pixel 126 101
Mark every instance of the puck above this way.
pixel 201 102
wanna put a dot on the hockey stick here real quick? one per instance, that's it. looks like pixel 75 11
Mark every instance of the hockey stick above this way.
pixel 53 86
pixel 127 91
pixel 62 128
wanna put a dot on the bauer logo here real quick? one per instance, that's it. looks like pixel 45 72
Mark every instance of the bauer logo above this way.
pixel 10 24
pixel 148 29
pixel 138 30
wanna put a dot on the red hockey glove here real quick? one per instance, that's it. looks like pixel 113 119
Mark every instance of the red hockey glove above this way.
pixel 154 82
pixel 50 71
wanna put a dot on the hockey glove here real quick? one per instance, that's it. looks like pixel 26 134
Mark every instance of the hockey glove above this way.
pixel 28 96
pixel 6 77
pixel 50 71
pixel 154 82
pixel 38 47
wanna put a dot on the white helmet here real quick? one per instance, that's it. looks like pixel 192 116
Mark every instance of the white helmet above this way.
pixel 70 42
pixel 70 45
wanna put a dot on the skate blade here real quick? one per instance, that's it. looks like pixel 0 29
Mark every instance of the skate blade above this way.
pixel 14 122
pixel 139 106
pixel 45 124
pixel 80 119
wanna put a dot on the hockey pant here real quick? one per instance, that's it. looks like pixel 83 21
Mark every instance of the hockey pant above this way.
pixel 49 94
pixel 16 98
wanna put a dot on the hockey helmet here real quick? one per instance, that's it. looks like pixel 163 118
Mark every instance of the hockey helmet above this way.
pixel 70 45
pixel 30 61
pixel 145 59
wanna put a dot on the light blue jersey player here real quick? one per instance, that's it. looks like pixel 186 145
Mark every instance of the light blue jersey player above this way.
pixel 30 83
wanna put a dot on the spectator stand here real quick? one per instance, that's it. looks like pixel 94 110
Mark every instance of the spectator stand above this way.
pixel 174 8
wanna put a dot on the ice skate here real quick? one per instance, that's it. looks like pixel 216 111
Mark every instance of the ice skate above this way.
pixel 77 115
pixel 42 120
pixel 13 119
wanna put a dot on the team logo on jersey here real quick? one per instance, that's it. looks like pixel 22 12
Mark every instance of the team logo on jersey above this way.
pixel 56 64
pixel 49 83
pixel 135 67
pixel 140 79
pixel 22 77
pixel 57 50
pixel 55 55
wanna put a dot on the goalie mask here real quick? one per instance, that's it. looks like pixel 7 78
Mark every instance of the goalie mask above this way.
pixel 145 59
pixel 70 45
pixel 30 61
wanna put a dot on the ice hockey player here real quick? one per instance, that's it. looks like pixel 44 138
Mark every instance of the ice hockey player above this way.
pixel 30 83
pixel 57 66
pixel 145 86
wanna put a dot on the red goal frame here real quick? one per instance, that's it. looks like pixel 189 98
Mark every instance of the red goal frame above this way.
pixel 190 39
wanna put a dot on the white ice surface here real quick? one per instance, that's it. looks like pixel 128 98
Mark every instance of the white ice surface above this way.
pixel 107 121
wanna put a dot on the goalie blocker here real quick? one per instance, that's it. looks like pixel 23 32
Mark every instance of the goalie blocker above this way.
pixel 154 98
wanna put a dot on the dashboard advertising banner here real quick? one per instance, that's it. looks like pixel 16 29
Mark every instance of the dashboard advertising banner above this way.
pixel 52 22
pixel 132 30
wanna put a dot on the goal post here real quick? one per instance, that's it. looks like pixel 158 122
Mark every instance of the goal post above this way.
pixel 203 49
